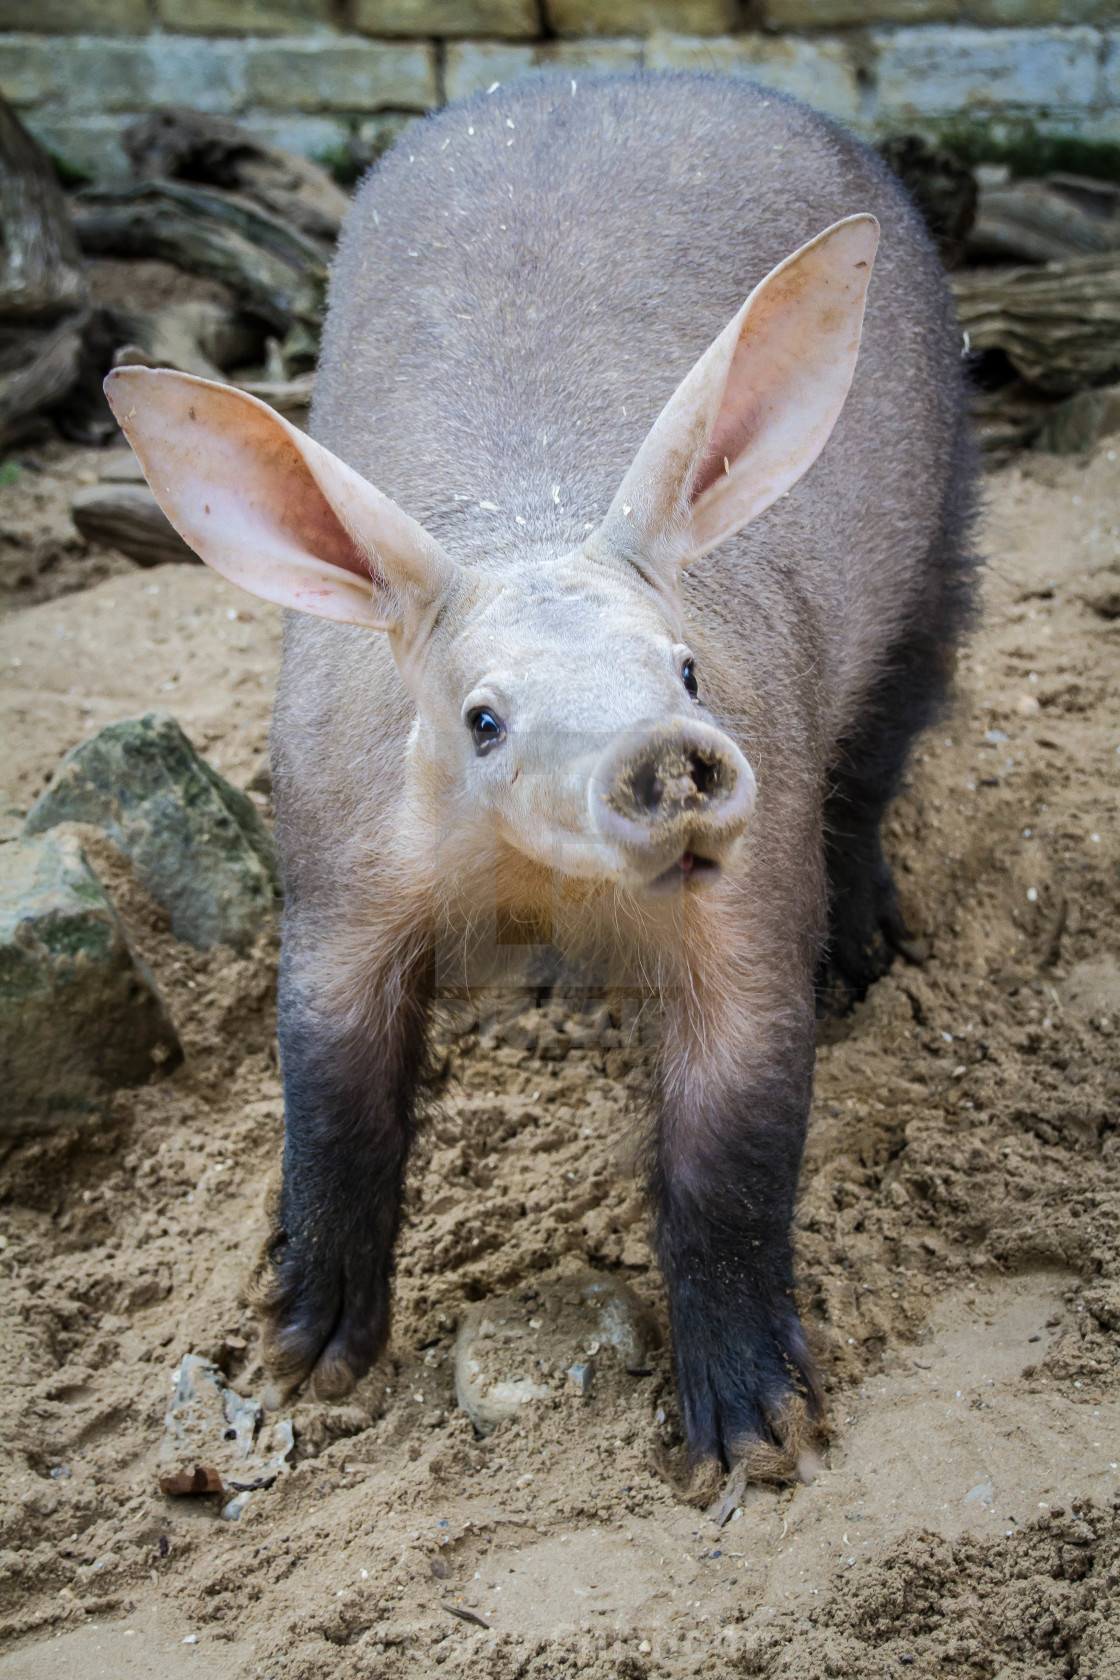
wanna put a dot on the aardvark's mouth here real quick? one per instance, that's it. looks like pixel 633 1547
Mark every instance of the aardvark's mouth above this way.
pixel 689 870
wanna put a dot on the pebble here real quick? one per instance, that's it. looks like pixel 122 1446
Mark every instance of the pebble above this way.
pixel 574 1335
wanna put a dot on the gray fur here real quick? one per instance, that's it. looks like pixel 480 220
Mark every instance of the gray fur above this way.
pixel 522 284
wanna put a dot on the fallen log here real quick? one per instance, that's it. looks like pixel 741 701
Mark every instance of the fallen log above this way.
pixel 41 271
pixel 185 145
pixel 199 337
pixel 1076 426
pixel 289 397
pixel 39 367
pixel 127 517
pixel 275 271
pixel 1048 220
pixel 44 289
pixel 1059 326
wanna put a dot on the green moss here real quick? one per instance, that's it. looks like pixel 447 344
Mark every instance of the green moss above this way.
pixel 1028 151
pixel 71 937
pixel 70 175
pixel 341 162
pixel 9 472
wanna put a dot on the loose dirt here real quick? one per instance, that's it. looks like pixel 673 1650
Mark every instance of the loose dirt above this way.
pixel 958 1242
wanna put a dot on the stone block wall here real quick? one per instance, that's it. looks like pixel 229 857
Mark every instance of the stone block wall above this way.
pixel 309 73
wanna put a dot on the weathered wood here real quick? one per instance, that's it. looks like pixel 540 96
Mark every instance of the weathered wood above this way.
pixel 1053 220
pixel 38 368
pixel 41 271
pixel 199 337
pixel 1076 426
pixel 127 517
pixel 289 397
pixel 44 289
pixel 187 145
pixel 273 269
pixel 1059 326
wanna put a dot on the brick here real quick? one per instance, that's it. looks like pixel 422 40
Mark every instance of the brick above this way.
pixel 642 17
pixel 327 139
pixel 376 134
pixel 243 17
pixel 818 71
pixel 1104 126
pixel 91 145
pixel 79 75
pixel 26 73
pixel 309 137
pixel 474 66
pixel 592 55
pixel 340 74
pixel 1110 77
pixel 946 72
pixel 76 17
pixel 207 75
pixel 838 14
pixel 449 19
pixel 1020 13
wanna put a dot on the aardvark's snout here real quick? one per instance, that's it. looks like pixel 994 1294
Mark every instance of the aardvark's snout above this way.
pixel 672 796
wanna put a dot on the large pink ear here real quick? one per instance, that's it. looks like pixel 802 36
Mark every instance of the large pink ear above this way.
pixel 271 509
pixel 755 411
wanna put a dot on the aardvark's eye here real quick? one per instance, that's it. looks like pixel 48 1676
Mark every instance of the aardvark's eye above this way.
pixel 487 730
pixel 688 678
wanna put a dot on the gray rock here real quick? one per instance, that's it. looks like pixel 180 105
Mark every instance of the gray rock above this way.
pixel 575 1336
pixel 79 1014
pixel 196 844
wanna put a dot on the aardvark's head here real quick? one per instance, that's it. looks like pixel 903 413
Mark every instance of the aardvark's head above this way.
pixel 560 709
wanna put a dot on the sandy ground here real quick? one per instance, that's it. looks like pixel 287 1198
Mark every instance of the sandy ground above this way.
pixel 958 1243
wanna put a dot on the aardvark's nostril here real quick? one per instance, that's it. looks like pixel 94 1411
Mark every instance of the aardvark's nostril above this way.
pixel 707 773
pixel 679 775
pixel 643 785
pixel 668 775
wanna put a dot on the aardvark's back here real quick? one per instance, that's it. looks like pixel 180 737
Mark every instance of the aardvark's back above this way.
pixel 525 279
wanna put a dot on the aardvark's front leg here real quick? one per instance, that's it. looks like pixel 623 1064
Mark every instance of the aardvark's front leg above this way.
pixel 348 1100
pixel 729 1149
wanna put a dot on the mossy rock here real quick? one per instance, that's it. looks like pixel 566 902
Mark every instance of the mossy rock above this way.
pixel 80 1016
pixel 195 843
